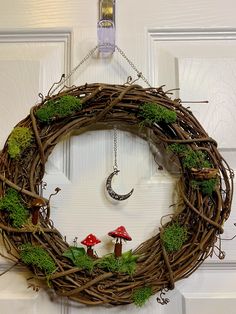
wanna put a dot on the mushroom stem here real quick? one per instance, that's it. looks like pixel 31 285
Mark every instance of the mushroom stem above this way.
pixel 35 216
pixel 90 251
pixel 119 234
pixel 90 241
pixel 118 248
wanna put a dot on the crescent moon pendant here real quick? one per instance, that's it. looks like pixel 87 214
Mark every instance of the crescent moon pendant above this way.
pixel 112 193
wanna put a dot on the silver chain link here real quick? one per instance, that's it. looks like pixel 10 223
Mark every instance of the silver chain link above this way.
pixel 90 53
pixel 115 148
pixel 139 74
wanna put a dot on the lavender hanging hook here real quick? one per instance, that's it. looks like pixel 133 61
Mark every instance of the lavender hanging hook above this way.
pixel 106 26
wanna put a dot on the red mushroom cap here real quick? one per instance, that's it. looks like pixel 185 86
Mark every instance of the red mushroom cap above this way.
pixel 90 240
pixel 120 232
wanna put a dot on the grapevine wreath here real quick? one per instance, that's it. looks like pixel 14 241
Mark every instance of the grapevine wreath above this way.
pixel 179 246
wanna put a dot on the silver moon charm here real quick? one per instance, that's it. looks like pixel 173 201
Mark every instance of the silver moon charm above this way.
pixel 112 193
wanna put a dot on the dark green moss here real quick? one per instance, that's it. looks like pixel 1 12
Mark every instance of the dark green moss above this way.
pixel 141 295
pixel 154 113
pixel 173 237
pixel 196 159
pixel 37 256
pixel 206 186
pixel 191 158
pixel 19 139
pixel 180 149
pixel 12 203
pixel 59 108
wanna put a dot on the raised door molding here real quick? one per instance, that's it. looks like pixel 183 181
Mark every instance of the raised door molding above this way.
pixel 30 63
pixel 202 63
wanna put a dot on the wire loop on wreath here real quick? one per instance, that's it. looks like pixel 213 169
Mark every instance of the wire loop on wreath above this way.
pixel 183 243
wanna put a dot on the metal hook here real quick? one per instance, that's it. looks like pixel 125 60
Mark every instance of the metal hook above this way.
pixel 106 26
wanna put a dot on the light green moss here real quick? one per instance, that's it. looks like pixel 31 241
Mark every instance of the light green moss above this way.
pixel 12 203
pixel 59 108
pixel 108 262
pixel 79 258
pixel 85 262
pixel 206 186
pixel 124 264
pixel 174 236
pixel 141 295
pixel 19 139
pixel 37 256
pixel 154 113
pixel 191 158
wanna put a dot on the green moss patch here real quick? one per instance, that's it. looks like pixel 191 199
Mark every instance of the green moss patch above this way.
pixel 173 237
pixel 12 203
pixel 206 186
pixel 58 108
pixel 19 139
pixel 180 149
pixel 191 158
pixel 37 256
pixel 154 113
pixel 79 258
pixel 124 264
pixel 141 295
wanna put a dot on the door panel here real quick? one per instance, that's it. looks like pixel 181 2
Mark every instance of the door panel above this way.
pixel 83 191
pixel 29 65
pixel 202 64
pixel 170 44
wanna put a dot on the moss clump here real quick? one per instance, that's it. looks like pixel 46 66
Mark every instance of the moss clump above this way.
pixel 196 159
pixel 154 113
pixel 109 262
pixel 12 203
pixel 191 158
pixel 180 149
pixel 19 139
pixel 85 262
pixel 174 237
pixel 79 258
pixel 37 256
pixel 141 295
pixel 206 186
pixel 124 264
pixel 58 108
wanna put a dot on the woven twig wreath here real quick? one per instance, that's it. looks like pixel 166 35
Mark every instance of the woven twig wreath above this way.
pixel 159 265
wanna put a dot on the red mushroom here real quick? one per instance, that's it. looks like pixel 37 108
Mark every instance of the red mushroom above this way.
pixel 36 205
pixel 90 241
pixel 119 233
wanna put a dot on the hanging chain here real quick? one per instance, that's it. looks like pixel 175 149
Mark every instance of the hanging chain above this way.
pixel 115 149
pixel 90 53
pixel 139 74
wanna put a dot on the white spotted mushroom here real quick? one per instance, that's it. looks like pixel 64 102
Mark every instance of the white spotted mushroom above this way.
pixel 90 241
pixel 119 234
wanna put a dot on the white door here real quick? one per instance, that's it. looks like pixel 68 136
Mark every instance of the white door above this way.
pixel 187 44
